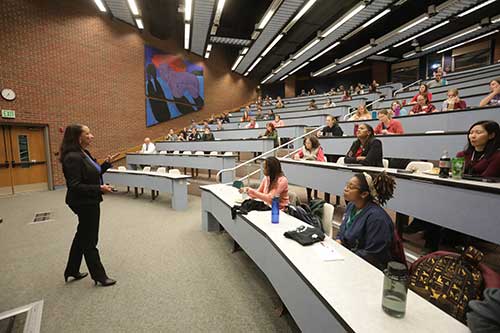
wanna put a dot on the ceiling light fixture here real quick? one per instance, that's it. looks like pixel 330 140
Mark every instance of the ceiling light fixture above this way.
pixel 220 6
pixel 100 5
pixel 133 7
pixel 298 68
pixel 343 20
pixel 188 5
pixel 265 19
pixel 245 50
pixel 382 14
pixel 297 17
pixel 325 50
pixel 254 64
pixel 209 47
pixel 284 77
pixel 422 33
pixel 237 62
pixel 267 78
pixel 343 69
pixel 495 20
pixel 355 54
pixel 473 9
pixel 138 21
pixel 451 38
pixel 411 54
pixel 274 42
pixel 357 63
pixel 382 52
pixel 414 23
pixel 288 62
pixel 187 30
pixel 469 41
pixel 207 54
pixel 306 48
pixel 321 71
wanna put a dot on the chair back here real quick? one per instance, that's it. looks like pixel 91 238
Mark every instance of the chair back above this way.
pixel 147 169
pixel 122 168
pixel 419 166
pixel 174 172
pixel 328 211
pixel 214 153
pixel 176 152
pixel 187 152
pixel 161 170
pixel 199 152
pixel 385 163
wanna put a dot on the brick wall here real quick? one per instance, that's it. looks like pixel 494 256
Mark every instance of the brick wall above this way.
pixel 68 63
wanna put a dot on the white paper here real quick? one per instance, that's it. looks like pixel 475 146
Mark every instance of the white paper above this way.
pixel 327 253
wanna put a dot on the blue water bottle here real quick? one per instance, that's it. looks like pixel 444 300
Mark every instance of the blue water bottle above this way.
pixel 275 210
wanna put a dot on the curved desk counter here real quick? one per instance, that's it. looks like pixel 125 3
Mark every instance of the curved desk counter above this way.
pixel 247 145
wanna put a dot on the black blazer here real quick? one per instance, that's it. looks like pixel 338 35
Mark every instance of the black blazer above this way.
pixel 82 179
pixel 372 151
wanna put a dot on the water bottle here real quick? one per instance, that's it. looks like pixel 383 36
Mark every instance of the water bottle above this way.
pixel 275 210
pixel 395 289
pixel 444 165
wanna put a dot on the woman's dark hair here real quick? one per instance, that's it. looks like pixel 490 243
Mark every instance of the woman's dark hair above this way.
pixel 71 140
pixel 384 186
pixel 493 144
pixel 370 129
pixel 497 80
pixel 272 127
pixel 314 141
pixel 273 169
pixel 426 88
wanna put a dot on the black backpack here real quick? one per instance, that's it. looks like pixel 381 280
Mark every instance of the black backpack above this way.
pixel 304 213
pixel 247 206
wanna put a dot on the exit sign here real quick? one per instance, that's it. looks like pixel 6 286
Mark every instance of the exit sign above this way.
pixel 9 114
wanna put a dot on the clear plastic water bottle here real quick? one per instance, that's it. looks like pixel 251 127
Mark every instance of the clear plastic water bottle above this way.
pixel 275 210
pixel 395 289
pixel 444 165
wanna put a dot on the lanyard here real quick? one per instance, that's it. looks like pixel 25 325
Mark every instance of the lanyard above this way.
pixel 352 216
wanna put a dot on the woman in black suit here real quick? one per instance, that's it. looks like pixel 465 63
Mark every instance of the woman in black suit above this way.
pixel 85 189
pixel 366 150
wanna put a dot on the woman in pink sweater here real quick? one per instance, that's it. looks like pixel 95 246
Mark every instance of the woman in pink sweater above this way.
pixel 273 184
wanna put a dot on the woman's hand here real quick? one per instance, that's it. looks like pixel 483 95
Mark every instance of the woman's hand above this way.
pixel 296 157
pixel 106 189
pixel 339 241
pixel 109 158
pixel 244 190
pixel 360 158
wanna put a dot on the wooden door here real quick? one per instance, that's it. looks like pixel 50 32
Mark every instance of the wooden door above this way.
pixel 6 185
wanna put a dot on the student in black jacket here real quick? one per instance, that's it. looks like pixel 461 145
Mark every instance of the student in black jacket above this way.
pixel 366 150
pixel 85 188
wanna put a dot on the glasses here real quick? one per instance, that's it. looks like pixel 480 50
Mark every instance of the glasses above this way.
pixel 351 187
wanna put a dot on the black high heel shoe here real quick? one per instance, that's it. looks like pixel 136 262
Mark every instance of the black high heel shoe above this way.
pixel 105 282
pixel 77 276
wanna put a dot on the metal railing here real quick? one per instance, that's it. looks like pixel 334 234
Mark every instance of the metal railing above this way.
pixel 348 115
pixel 408 86
pixel 266 154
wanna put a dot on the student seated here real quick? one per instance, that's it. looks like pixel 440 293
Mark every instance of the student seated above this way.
pixel 181 137
pixel 312 92
pixel 388 125
pixel 373 86
pixel 303 93
pixel 147 147
pixel 494 97
pixel 329 104
pixel 310 151
pixel 332 128
pixel 366 228
pixel 270 133
pixel 453 102
pixel 279 103
pixel 278 122
pixel 273 184
pixel 194 135
pixel 269 115
pixel 252 124
pixel 397 110
pixel 423 90
pixel 438 81
pixel 482 155
pixel 171 135
pixel 246 116
pixel 366 150
pixel 220 125
pixel 207 135
pixel 312 105
pixel 422 106
pixel 346 96
pixel 361 114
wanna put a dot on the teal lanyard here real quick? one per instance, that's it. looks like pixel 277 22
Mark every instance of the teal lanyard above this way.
pixel 352 217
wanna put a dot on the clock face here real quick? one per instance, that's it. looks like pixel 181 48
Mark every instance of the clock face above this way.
pixel 8 94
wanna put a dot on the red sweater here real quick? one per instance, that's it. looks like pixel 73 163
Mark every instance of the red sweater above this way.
pixel 485 167
pixel 429 97
pixel 394 127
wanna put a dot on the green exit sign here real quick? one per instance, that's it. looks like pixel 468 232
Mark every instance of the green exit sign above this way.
pixel 9 114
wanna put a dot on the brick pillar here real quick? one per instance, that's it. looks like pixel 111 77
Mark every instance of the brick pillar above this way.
pixel 290 86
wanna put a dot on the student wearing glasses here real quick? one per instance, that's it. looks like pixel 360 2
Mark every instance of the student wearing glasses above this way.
pixel 366 228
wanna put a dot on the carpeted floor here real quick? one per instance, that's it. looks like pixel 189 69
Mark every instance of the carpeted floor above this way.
pixel 171 275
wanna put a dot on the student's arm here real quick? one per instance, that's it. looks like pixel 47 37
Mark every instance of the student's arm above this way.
pixel 488 98
pixel 397 128
pixel 349 157
pixel 321 156
pixel 374 154
pixel 268 197
pixel 337 131
pixel 378 129
pixel 378 237
pixel 493 169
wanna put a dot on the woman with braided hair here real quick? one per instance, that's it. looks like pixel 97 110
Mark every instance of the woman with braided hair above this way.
pixel 367 229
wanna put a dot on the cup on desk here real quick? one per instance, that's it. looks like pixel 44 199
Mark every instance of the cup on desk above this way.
pixel 457 167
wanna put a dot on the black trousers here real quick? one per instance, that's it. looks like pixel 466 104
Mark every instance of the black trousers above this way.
pixel 85 242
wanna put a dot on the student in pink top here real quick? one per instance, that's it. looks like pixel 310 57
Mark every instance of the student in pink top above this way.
pixel 273 184
pixel 278 122
pixel 311 151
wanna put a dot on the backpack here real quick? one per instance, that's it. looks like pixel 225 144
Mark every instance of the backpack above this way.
pixel 247 206
pixel 303 213
pixel 316 206
pixel 449 280
pixel 397 248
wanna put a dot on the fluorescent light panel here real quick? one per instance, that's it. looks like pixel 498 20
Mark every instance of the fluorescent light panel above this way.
pixel 321 71
pixel 187 31
pixel 298 68
pixel 209 47
pixel 188 5
pixel 274 42
pixel 138 21
pixel 473 9
pixel 237 62
pixel 254 64
pixel 284 77
pixel 133 7
pixel 267 78
pixel 100 5
pixel 422 33
pixel 469 41
pixel 207 54
pixel 265 19
pixel 382 52
pixel 245 50
pixel 344 20
pixel 220 6
pixel 382 14
pixel 301 13
pixel 344 69
pixel 288 62
pixel 304 49
pixel 451 38
pixel 357 63
pixel 495 20
pixel 325 50
pixel 411 54
pixel 411 25
pixel 355 54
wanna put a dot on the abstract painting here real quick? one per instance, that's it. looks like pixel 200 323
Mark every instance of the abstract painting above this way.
pixel 174 86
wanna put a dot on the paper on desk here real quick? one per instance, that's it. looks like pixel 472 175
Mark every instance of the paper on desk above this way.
pixel 327 253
